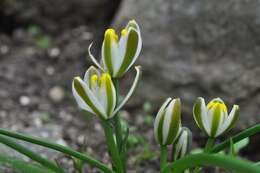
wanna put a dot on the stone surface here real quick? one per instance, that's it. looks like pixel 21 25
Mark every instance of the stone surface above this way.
pixel 199 48
pixel 55 16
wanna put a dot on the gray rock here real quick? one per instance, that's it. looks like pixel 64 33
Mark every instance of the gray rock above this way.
pixel 55 16
pixel 56 94
pixel 199 48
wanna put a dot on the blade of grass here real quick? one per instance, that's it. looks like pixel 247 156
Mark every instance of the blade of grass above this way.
pixel 219 160
pixel 22 166
pixel 29 153
pixel 240 136
pixel 58 147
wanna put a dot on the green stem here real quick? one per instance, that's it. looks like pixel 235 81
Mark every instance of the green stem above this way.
pixel 117 162
pixel 118 128
pixel 220 160
pixel 209 145
pixel 32 155
pixel 240 136
pixel 57 147
pixel 163 157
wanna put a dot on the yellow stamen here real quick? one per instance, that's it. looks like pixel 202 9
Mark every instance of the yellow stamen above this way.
pixel 93 81
pixel 104 78
pixel 111 33
pixel 123 32
pixel 214 104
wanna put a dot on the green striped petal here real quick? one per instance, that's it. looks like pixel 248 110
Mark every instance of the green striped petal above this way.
pixel 82 93
pixel 158 123
pixel 108 94
pixel 89 73
pixel 200 114
pixel 132 24
pixel 231 119
pixel 215 115
pixel 93 58
pixel 167 122
pixel 172 122
pixel 129 50
pixel 182 145
pixel 110 51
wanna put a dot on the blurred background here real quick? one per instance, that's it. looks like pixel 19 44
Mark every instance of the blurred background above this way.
pixel 191 48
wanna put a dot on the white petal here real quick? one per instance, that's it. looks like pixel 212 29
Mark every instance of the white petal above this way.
pixel 105 98
pixel 81 103
pixel 229 119
pixel 93 99
pixel 93 58
pixel 131 91
pixel 223 119
pixel 90 71
pixel 158 117
pixel 122 48
pixel 205 117
pixel 217 99
pixel 115 56
pixel 168 120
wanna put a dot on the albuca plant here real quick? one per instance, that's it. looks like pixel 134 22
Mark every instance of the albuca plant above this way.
pixel 98 93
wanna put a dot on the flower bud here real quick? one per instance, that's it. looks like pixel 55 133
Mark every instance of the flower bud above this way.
pixel 213 118
pixel 167 123
pixel 182 145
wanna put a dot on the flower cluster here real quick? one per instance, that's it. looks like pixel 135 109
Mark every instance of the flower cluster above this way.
pixel 96 92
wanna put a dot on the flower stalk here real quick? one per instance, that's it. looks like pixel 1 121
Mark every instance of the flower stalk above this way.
pixel 163 156
pixel 112 146
pixel 118 126
pixel 209 145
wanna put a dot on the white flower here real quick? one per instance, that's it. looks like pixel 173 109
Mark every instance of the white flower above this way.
pixel 167 123
pixel 213 118
pixel 96 93
pixel 119 54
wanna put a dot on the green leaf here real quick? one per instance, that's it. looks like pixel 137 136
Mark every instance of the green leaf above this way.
pixel 219 160
pixel 232 151
pixel 20 165
pixel 29 153
pixel 241 144
pixel 147 107
pixel 257 164
pixel 43 42
pixel 34 30
pixel 148 119
pixel 66 150
pixel 240 136
pixel 196 151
